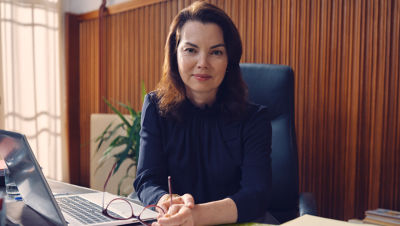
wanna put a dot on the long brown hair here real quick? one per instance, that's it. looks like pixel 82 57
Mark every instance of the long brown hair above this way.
pixel 232 93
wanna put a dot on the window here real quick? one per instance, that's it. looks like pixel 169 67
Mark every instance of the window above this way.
pixel 31 75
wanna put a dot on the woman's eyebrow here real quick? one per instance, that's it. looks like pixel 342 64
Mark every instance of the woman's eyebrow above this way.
pixel 218 45
pixel 212 47
pixel 191 44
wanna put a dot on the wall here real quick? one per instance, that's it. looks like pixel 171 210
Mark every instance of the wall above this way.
pixel 345 55
pixel 85 6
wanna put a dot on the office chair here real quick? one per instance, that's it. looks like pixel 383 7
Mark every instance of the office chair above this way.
pixel 273 86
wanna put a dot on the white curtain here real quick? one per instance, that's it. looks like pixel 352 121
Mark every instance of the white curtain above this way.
pixel 33 79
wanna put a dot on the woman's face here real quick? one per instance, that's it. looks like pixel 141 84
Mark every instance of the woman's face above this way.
pixel 202 58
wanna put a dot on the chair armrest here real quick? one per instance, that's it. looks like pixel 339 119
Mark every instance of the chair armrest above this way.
pixel 307 204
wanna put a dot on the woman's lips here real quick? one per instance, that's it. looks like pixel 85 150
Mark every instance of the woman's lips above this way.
pixel 202 77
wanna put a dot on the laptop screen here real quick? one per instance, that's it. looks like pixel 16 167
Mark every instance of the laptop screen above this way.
pixel 26 172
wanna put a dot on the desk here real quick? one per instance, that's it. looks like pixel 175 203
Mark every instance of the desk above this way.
pixel 20 214
pixel 23 215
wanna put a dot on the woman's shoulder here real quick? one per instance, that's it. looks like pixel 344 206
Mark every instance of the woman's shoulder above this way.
pixel 255 110
pixel 150 103
pixel 152 97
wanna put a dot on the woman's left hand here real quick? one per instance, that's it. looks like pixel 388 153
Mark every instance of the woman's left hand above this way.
pixel 178 214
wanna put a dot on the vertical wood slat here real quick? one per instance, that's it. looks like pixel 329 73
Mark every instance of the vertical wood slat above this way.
pixel 345 55
pixel 73 94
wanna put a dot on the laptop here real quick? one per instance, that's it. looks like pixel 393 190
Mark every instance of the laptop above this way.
pixel 63 209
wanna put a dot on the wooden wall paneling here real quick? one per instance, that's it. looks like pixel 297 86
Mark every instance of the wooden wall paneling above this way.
pixel 369 88
pixel 89 84
pixel 356 78
pixel 147 73
pixel 83 60
pixel 158 47
pixel 94 57
pixel 124 46
pixel 394 127
pixel 347 104
pixel 249 25
pixel 242 27
pixel 152 55
pixel 142 38
pixel 379 77
pixel 312 94
pixel 107 65
pixel 83 92
pixel 181 4
pixel 117 55
pixel 385 113
pixel 333 108
pixel 389 156
pixel 118 86
pixel 295 56
pixel 72 79
pixel 322 52
pixel 362 181
pixel 306 157
pixel 137 55
pixel 373 105
pixel 120 8
pixel 130 59
pixel 258 32
pixel 284 36
pixel 111 52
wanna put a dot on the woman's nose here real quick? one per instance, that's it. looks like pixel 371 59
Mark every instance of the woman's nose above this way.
pixel 202 61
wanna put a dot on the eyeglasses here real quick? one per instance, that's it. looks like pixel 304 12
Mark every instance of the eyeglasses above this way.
pixel 122 201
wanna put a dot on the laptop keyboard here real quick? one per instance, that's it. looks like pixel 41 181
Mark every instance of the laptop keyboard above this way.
pixel 83 210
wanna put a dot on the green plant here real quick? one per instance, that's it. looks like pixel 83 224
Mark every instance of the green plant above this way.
pixel 129 140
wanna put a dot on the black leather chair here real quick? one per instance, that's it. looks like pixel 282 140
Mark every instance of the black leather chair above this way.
pixel 273 86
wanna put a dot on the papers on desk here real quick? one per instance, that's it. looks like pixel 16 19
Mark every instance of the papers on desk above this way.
pixel 382 217
pixel 317 221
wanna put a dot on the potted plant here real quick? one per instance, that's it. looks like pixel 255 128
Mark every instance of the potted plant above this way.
pixel 121 146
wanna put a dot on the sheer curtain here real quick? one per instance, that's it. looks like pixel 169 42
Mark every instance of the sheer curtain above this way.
pixel 32 76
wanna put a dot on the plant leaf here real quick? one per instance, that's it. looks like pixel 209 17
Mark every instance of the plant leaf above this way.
pixel 104 132
pixel 120 115
pixel 109 135
pixel 120 183
pixel 122 156
pixel 132 112
pixel 144 92
pixel 101 164
pixel 133 164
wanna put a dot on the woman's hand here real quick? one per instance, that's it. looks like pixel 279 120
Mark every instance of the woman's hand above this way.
pixel 180 213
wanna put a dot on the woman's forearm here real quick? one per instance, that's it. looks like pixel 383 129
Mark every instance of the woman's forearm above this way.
pixel 217 212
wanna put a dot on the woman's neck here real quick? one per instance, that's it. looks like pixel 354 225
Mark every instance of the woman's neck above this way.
pixel 200 99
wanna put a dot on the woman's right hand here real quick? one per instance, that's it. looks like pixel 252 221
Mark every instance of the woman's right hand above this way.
pixel 165 202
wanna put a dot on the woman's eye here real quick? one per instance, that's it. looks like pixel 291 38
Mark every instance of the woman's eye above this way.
pixel 190 50
pixel 217 52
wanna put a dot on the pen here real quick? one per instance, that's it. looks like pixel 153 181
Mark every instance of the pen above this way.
pixel 170 190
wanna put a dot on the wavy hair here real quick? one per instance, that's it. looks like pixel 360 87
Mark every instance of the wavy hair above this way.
pixel 232 93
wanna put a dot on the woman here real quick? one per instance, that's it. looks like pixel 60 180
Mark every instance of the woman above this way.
pixel 198 128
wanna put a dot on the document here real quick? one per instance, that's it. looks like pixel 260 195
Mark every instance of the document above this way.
pixel 310 220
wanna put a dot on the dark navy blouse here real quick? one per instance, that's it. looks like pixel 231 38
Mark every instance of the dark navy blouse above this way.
pixel 207 156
